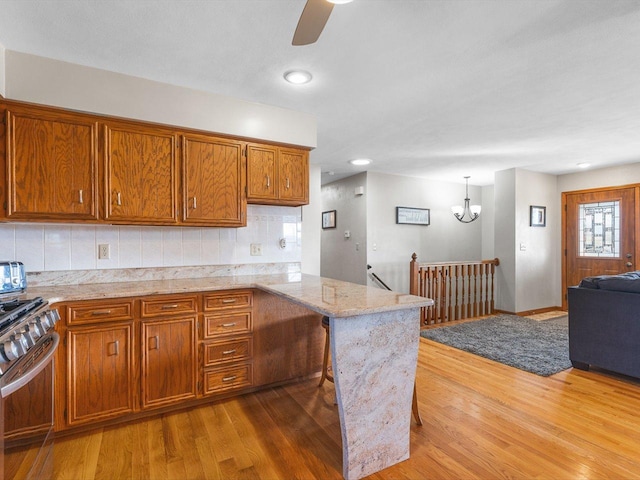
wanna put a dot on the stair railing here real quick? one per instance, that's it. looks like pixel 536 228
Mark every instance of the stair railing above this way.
pixel 459 289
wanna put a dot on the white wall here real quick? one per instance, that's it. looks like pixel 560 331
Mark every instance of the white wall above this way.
pixel 311 233
pixel 505 239
pixel 52 82
pixel 536 248
pixel 2 70
pixel 603 177
pixel 390 245
pixel 345 258
pixel 488 222
pixel 55 247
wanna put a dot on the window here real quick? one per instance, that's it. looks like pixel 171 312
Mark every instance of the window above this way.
pixel 599 229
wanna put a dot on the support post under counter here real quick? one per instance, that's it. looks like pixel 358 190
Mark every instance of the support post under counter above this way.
pixel 374 360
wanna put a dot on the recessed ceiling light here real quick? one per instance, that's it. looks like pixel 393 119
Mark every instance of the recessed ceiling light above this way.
pixel 339 2
pixel 584 165
pixel 297 77
pixel 360 161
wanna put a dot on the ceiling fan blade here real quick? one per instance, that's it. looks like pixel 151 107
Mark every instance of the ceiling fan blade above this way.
pixel 312 21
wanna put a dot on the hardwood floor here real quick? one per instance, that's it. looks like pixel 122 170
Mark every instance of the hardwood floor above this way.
pixel 482 420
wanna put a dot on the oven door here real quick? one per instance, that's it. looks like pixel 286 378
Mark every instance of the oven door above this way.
pixel 26 413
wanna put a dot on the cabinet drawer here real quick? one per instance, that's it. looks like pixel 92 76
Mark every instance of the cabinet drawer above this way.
pixel 229 324
pixel 96 312
pixel 230 351
pixel 225 300
pixel 228 378
pixel 161 307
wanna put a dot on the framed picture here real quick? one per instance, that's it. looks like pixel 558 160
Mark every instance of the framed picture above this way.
pixel 329 219
pixel 538 216
pixel 413 216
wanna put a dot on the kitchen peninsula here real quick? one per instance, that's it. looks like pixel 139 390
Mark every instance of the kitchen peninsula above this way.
pixel 374 340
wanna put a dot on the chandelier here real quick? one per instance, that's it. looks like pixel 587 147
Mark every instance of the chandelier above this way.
pixel 472 212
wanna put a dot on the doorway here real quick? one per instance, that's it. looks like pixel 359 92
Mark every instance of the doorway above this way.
pixel 599 233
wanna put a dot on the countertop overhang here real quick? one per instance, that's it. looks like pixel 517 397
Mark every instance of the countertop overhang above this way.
pixel 333 298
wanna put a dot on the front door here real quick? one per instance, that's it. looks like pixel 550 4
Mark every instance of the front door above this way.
pixel 599 233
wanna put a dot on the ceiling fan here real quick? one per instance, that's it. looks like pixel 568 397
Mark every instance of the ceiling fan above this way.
pixel 313 19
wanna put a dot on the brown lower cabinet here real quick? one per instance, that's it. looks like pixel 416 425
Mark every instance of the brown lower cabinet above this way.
pixel 126 358
pixel 100 380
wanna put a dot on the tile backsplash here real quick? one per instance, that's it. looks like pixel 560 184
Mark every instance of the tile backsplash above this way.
pixel 53 247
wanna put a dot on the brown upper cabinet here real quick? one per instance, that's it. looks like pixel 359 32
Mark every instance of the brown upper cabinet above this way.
pixel 140 174
pixel 277 175
pixel 52 165
pixel 62 166
pixel 213 178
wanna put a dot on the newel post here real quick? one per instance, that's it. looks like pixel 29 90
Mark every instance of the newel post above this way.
pixel 414 275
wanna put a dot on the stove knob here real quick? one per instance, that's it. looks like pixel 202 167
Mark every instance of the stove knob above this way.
pixel 36 325
pixel 33 331
pixel 23 341
pixel 9 350
pixel 52 317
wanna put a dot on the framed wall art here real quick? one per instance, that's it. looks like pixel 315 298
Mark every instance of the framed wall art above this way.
pixel 538 216
pixel 413 216
pixel 329 219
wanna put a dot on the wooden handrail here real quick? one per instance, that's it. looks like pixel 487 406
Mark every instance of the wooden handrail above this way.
pixel 460 289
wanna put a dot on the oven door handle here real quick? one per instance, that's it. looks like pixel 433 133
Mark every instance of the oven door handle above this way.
pixel 23 378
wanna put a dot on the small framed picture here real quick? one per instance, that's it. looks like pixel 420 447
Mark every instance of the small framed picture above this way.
pixel 413 216
pixel 329 219
pixel 538 216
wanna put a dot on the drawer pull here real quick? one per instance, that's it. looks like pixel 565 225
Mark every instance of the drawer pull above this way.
pixel 230 300
pixel 156 342
pixel 230 378
pixel 229 352
pixel 97 313
pixel 80 199
pixel 268 181
pixel 288 184
pixel 170 307
pixel 227 325
pixel 118 199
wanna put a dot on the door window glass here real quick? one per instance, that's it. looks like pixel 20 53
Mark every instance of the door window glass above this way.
pixel 599 227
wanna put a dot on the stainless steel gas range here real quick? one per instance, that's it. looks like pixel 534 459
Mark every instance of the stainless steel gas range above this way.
pixel 27 346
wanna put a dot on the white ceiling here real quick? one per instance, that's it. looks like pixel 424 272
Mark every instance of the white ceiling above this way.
pixel 429 88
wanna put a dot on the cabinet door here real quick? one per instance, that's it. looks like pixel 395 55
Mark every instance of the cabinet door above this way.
pixel 168 361
pixel 100 380
pixel 293 175
pixel 213 181
pixel 51 165
pixel 140 175
pixel 261 173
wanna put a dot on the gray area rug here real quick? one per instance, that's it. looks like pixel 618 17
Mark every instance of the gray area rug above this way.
pixel 540 347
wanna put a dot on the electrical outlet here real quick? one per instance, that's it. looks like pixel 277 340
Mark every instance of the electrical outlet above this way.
pixel 256 249
pixel 104 251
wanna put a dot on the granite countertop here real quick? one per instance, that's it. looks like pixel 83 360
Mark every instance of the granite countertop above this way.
pixel 329 297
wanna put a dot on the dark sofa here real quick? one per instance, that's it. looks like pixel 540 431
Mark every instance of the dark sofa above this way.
pixel 604 323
